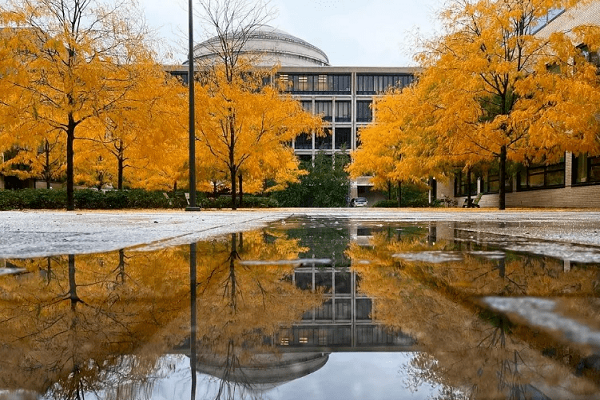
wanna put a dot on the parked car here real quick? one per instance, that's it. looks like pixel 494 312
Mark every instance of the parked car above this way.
pixel 359 202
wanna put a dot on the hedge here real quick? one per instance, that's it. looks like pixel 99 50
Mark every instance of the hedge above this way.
pixel 88 199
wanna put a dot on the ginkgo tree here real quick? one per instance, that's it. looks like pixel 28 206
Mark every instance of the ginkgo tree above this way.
pixel 491 90
pixel 78 61
pixel 385 141
pixel 244 124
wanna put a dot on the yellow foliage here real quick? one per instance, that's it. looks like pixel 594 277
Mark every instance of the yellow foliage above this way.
pixel 489 89
pixel 244 126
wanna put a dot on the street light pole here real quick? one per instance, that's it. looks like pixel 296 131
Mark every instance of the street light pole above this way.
pixel 192 131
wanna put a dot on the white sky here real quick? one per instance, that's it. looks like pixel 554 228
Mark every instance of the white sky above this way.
pixel 350 32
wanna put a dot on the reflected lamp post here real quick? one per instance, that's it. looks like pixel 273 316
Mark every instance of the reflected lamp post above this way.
pixel 192 132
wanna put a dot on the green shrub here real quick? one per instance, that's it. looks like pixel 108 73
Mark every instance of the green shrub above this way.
pixel 412 196
pixel 386 203
pixel 89 199
pixel 259 202
pixel 33 199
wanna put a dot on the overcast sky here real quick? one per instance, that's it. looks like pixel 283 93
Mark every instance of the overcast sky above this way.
pixel 350 32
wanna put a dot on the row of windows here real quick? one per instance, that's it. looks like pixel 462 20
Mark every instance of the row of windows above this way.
pixel 334 84
pixel 585 170
pixel 343 110
pixel 541 176
pixel 375 84
pixel 343 140
pixel 528 178
pixel 341 84
pixel 325 84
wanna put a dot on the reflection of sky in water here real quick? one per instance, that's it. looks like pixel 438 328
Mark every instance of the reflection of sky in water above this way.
pixel 345 376
pixel 431 256
pixel 356 376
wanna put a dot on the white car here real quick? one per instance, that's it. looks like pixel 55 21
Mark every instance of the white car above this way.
pixel 358 202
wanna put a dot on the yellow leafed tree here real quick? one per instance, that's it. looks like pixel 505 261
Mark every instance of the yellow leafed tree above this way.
pixel 78 61
pixel 245 126
pixel 491 90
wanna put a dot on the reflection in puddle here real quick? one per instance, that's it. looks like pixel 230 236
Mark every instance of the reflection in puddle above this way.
pixel 309 308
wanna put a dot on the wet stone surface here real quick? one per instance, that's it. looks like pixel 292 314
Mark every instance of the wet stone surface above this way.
pixel 309 307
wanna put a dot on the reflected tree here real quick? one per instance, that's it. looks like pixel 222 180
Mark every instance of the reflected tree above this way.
pixel 468 350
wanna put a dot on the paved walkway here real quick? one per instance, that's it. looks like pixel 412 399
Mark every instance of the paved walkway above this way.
pixel 41 233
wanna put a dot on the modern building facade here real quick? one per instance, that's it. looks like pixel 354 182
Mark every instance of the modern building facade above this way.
pixel 341 95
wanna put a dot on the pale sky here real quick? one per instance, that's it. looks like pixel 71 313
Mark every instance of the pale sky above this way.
pixel 350 32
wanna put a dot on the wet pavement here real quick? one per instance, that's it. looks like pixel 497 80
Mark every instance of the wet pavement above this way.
pixel 296 304
pixel 38 233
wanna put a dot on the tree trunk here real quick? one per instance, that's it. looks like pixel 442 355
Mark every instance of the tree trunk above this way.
pixel 121 267
pixel 389 187
pixel 502 178
pixel 232 256
pixel 70 162
pixel 47 171
pixel 469 187
pixel 232 171
pixel 121 166
pixel 120 174
pixel 399 194
pixel 241 191
pixel 232 166
pixel 72 284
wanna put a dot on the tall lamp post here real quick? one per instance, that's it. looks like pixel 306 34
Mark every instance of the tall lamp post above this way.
pixel 192 131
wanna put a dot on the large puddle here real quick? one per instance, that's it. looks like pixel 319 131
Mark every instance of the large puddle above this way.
pixel 307 309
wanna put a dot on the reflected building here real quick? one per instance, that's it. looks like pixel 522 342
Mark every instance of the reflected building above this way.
pixel 344 321
pixel 264 371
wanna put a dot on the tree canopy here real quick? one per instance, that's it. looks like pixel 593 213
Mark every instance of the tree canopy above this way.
pixel 491 89
pixel 82 67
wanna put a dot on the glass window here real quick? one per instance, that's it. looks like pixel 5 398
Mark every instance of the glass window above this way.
pixel 303 83
pixel 322 83
pixel 586 169
pixel 491 184
pixel 541 176
pixel 594 168
pixel 373 84
pixel 324 280
pixel 323 108
pixel 343 309
pixel 307 105
pixel 342 111
pixel 343 282
pixel 343 138
pixel 304 281
pixel 363 309
pixel 363 111
pixel 323 142
pixel 303 141
pixel 461 184
pixel 325 312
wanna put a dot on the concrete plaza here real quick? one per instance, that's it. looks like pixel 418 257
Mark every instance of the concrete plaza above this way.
pixel 42 233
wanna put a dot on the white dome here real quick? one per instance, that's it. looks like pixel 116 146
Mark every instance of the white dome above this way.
pixel 273 46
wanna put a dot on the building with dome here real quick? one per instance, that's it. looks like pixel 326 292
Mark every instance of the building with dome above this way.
pixel 269 46
pixel 342 95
